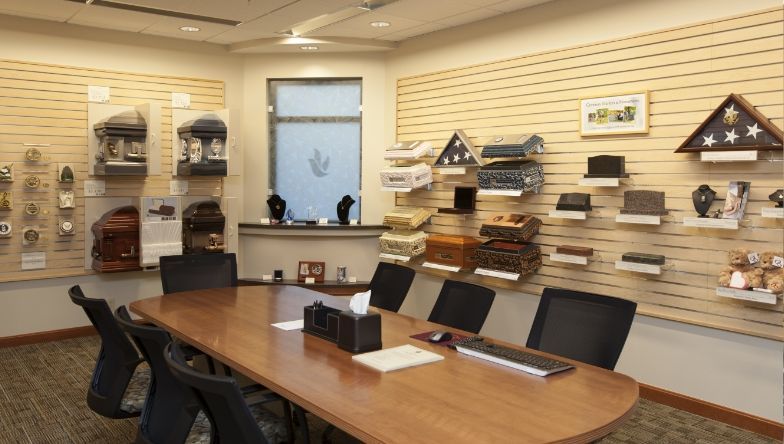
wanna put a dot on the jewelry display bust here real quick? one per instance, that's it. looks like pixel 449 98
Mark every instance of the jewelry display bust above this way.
pixel 277 208
pixel 778 197
pixel 343 207
pixel 703 198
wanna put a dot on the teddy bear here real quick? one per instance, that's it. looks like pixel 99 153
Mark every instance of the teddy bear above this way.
pixel 740 273
pixel 773 279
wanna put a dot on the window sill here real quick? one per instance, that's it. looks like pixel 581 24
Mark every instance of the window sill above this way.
pixel 301 229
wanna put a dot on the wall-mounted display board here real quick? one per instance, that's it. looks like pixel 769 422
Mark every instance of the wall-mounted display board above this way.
pixel 46 126
pixel 688 72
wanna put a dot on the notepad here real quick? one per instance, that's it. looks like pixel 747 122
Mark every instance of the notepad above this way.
pixel 396 358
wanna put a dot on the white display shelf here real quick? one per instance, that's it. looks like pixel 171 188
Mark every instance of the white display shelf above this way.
pixel 563 214
pixel 599 182
pixel 500 192
pixel 569 258
pixel 728 156
pixel 747 295
pixel 396 189
pixel 773 212
pixel 396 257
pixel 709 222
pixel 451 171
pixel 441 266
pixel 638 219
pixel 638 268
pixel 497 274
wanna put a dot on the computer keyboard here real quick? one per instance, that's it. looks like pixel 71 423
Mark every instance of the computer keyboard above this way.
pixel 510 357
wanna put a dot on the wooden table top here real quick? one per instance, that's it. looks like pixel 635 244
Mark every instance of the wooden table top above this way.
pixel 459 399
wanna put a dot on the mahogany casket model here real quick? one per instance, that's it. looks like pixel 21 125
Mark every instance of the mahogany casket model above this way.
pixel 116 241
pixel 203 150
pixel 123 145
pixel 403 243
pixel 518 227
pixel 413 176
pixel 513 175
pixel 452 250
pixel 202 228
pixel 509 256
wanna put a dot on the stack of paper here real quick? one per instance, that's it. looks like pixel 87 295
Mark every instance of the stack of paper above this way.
pixel 396 358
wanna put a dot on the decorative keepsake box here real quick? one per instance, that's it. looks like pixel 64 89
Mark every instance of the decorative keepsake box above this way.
pixel 464 202
pixel 202 228
pixel 518 227
pixel 606 167
pixel 525 175
pixel 116 241
pixel 452 250
pixel 406 218
pixel 516 145
pixel 123 145
pixel 574 202
pixel 203 147
pixel 574 250
pixel 408 150
pixel 509 256
pixel 403 243
pixel 643 258
pixel 413 176
pixel 645 202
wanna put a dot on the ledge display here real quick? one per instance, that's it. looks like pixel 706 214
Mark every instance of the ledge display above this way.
pixel 638 268
pixel 747 295
pixel 710 222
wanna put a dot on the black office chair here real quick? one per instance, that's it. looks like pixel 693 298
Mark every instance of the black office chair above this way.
pixel 586 327
pixel 170 407
pixel 389 286
pixel 462 305
pixel 116 390
pixel 221 399
pixel 198 271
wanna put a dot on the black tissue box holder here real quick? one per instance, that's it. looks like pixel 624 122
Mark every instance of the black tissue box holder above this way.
pixel 321 322
pixel 359 333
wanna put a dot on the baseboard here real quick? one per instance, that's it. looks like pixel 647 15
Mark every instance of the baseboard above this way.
pixel 716 412
pixel 46 336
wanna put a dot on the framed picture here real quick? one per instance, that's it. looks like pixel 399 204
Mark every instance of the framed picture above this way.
pixel 308 269
pixel 622 114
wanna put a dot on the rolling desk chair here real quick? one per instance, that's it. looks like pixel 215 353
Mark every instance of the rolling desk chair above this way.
pixel 389 286
pixel 587 327
pixel 198 271
pixel 462 305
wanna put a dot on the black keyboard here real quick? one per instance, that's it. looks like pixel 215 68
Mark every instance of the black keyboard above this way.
pixel 510 357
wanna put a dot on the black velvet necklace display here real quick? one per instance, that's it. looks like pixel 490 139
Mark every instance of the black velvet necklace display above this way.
pixel 277 207
pixel 703 198
pixel 343 207
pixel 778 197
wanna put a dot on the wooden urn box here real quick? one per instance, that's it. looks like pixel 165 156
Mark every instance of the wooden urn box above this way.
pixel 116 241
pixel 452 250
pixel 518 227
pixel 523 175
pixel 202 228
pixel 509 256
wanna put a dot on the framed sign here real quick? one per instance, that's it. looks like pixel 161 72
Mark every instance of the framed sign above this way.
pixel 622 114
pixel 309 269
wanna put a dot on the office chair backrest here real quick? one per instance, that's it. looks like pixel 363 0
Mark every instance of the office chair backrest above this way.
pixel 587 327
pixel 221 399
pixel 198 271
pixel 170 407
pixel 389 286
pixel 116 361
pixel 462 305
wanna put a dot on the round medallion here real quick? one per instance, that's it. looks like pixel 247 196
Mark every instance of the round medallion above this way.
pixel 66 226
pixel 316 269
pixel 112 147
pixel 33 154
pixel 32 181
pixel 31 235
pixel 216 146
pixel 32 208
pixel 5 228
pixel 499 139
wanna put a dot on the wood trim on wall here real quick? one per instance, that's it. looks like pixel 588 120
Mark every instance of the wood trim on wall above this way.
pixel 47 336
pixel 716 412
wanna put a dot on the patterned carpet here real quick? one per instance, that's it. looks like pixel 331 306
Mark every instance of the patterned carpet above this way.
pixel 43 387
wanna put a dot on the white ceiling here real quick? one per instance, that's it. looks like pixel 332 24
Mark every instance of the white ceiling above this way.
pixel 262 20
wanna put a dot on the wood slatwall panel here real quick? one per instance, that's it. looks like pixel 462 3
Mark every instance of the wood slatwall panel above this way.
pixel 47 104
pixel 688 72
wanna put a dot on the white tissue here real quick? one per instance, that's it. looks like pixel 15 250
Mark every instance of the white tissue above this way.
pixel 359 302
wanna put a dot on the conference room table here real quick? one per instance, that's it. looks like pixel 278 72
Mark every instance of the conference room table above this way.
pixel 458 399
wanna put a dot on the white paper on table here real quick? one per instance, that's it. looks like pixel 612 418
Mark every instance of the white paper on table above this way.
pixel 299 324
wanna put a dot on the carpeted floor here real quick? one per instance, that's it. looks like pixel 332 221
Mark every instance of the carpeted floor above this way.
pixel 43 387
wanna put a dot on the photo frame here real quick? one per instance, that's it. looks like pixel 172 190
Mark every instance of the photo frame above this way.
pixel 310 269
pixel 618 114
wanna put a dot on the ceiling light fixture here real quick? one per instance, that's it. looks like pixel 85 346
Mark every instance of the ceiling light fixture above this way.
pixel 380 24
pixel 156 11
pixel 308 48
pixel 189 29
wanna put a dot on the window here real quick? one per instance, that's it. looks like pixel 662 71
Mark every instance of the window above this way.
pixel 315 144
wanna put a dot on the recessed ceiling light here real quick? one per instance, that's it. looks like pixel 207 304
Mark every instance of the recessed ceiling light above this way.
pixel 189 29
pixel 380 24
pixel 308 48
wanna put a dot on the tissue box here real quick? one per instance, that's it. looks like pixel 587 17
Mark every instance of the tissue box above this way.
pixel 359 333
pixel 322 322
pixel 414 176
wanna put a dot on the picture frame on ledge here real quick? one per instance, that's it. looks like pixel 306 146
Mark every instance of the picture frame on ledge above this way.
pixel 310 269
pixel 618 114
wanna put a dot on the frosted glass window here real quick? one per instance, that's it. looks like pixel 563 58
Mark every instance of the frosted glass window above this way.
pixel 315 144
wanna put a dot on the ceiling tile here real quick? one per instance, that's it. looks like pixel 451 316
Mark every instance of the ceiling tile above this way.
pixel 41 9
pixel 114 19
pixel 428 11
pixel 170 27
pixel 514 5
pixel 468 17
pixel 359 26
pixel 413 32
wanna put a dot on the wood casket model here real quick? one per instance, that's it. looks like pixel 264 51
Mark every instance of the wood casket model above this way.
pixel 202 228
pixel 116 241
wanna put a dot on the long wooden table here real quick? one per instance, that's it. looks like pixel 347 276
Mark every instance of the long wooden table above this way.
pixel 459 399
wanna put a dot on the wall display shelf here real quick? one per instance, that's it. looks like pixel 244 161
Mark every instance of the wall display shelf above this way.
pixel 709 222
pixel 399 190
pixel 599 182
pixel 773 212
pixel 564 214
pixel 151 112
pixel 500 192
pixel 643 219
pixel 569 258
pixel 638 268
pixel 747 295
pixel 454 268
pixel 728 156
pixel 497 274
pixel 395 257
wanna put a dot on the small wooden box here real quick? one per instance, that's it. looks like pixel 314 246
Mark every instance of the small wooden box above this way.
pixel 403 243
pixel 452 250
pixel 519 227
pixel 116 241
pixel 512 257
pixel 574 250
pixel 413 176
